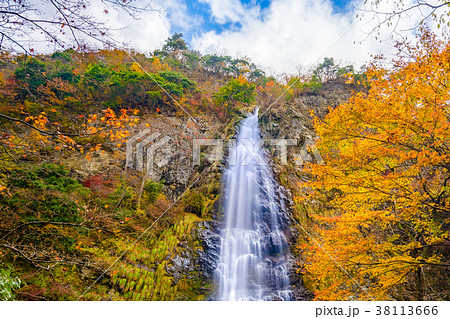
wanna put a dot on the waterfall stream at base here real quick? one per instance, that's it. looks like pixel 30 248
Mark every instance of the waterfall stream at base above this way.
pixel 253 253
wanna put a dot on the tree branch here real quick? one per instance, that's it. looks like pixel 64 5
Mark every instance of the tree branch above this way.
pixel 36 128
pixel 37 262
pixel 53 223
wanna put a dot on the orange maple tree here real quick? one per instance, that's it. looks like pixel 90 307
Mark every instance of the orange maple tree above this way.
pixel 387 154
pixel 109 126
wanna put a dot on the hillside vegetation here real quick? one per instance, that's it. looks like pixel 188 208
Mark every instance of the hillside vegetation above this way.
pixel 367 177
pixel 72 214
pixel 370 178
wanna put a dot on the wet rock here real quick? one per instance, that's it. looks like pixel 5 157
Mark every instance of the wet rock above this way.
pixel 181 265
pixel 276 243
pixel 211 241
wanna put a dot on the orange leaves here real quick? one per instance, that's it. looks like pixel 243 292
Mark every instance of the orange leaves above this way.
pixel 67 140
pixel 39 121
pixel 111 125
pixel 386 155
pixel 92 118
pixel 242 80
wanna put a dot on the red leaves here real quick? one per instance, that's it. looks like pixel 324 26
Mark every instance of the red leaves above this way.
pixel 94 181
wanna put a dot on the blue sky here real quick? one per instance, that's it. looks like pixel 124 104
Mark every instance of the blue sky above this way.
pixel 201 10
pixel 280 36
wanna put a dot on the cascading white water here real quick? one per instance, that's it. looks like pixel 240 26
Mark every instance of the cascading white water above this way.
pixel 253 255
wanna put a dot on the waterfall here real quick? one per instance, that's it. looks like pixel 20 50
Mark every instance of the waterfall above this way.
pixel 253 253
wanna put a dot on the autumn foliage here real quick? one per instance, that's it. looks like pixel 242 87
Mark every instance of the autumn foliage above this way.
pixel 69 204
pixel 385 234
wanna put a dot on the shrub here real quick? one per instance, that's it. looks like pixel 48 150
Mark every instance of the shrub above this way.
pixel 7 283
pixel 31 75
pixel 152 190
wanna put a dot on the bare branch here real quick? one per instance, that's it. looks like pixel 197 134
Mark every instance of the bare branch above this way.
pixel 52 223
pixel 57 134
pixel 424 10
pixel 19 21
pixel 37 262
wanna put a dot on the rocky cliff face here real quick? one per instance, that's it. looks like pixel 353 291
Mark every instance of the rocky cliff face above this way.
pixel 196 188
pixel 289 120
pixel 292 121
pixel 173 164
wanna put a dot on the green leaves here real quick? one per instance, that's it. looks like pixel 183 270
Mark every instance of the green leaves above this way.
pixel 8 283
pixel 97 72
pixel 45 176
pixel 178 79
pixel 236 90
pixel 50 187
pixel 175 43
pixel 31 75
pixel 152 191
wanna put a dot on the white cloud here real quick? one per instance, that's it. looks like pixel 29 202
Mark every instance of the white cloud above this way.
pixel 224 11
pixel 293 33
pixel 280 38
pixel 146 33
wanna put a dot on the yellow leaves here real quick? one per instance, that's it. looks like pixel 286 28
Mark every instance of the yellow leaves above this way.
pixel 136 68
pixel 386 154
pixel 156 65
pixel 92 118
pixel 41 120
pixel 91 130
pixel 242 80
